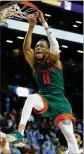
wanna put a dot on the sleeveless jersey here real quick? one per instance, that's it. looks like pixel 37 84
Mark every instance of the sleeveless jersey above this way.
pixel 49 78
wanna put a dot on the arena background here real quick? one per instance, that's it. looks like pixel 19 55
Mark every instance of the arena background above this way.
pixel 15 72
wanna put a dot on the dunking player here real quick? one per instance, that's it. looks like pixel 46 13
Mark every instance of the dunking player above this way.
pixel 50 99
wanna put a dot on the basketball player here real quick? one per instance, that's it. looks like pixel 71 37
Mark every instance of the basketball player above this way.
pixel 50 100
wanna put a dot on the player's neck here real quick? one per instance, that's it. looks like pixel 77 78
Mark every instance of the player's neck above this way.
pixel 42 61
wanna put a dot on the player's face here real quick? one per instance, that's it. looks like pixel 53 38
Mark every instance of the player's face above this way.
pixel 41 50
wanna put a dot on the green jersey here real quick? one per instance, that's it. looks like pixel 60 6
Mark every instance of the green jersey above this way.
pixel 49 78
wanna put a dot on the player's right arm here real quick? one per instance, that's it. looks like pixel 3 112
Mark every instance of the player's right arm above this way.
pixel 54 54
pixel 28 51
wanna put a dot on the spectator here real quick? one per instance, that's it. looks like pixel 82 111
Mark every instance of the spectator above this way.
pixel 59 149
pixel 37 142
pixel 79 138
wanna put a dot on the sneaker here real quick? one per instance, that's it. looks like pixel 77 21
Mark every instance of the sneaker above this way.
pixel 20 144
pixel 15 137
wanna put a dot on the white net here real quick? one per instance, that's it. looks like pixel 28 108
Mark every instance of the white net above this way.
pixel 15 11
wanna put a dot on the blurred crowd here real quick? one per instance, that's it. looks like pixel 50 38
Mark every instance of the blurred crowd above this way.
pixel 41 135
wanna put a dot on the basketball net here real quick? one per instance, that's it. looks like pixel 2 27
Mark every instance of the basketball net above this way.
pixel 15 11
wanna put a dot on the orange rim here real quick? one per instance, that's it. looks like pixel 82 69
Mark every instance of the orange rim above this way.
pixel 30 5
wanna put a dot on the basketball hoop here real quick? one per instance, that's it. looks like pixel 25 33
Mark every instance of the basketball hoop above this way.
pixel 22 10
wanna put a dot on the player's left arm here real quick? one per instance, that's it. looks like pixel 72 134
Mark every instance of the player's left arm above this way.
pixel 54 46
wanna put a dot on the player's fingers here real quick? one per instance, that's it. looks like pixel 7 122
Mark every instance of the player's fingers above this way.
pixel 32 18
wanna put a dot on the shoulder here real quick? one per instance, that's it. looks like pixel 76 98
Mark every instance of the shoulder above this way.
pixel 54 56
pixel 58 64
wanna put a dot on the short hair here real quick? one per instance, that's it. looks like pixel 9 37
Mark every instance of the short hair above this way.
pixel 46 42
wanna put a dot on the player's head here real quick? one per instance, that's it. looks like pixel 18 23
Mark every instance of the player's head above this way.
pixel 41 49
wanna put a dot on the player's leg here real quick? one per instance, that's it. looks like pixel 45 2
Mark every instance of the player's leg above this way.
pixel 64 120
pixel 66 127
pixel 33 101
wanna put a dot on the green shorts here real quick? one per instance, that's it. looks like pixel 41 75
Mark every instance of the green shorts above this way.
pixel 58 107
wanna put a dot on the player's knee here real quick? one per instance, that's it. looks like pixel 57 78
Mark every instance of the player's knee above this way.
pixel 33 98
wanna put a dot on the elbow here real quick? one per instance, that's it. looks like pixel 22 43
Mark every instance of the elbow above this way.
pixel 54 48
pixel 54 45
pixel 25 55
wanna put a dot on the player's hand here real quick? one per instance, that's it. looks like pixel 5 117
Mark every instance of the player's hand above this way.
pixel 32 22
pixel 41 18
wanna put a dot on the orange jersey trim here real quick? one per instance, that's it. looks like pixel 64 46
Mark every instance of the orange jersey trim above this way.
pixel 61 117
pixel 58 66
pixel 45 106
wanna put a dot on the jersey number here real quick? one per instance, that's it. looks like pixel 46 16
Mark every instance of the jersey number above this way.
pixel 46 78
